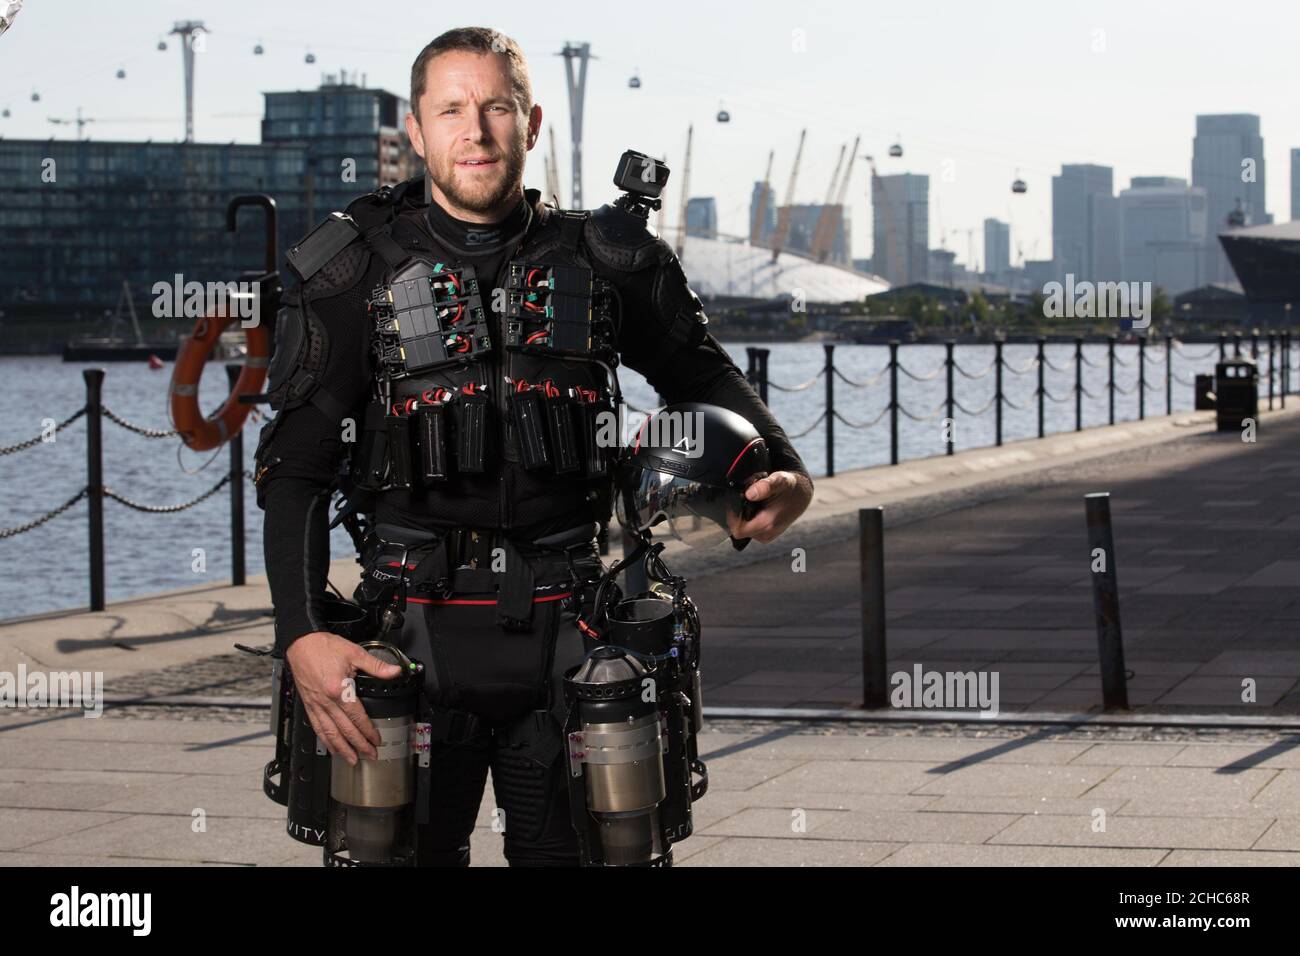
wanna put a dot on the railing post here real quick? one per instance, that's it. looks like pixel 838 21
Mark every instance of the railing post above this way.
pixel 751 366
pixel 95 481
pixel 1284 344
pixel 1105 601
pixel 893 402
pixel 949 362
pixel 1078 383
pixel 1042 342
pixel 1236 345
pixel 236 493
pixel 1142 378
pixel 762 373
pixel 1169 374
pixel 830 409
pixel 1223 346
pixel 1110 352
pixel 1254 345
pixel 871 565
pixel 1271 370
pixel 997 393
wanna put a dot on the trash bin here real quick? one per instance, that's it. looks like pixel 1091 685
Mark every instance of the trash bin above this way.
pixel 1204 393
pixel 1236 393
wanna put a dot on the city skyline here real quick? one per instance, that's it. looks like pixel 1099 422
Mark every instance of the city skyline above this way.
pixel 1115 86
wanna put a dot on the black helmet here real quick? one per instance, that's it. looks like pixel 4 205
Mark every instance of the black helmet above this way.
pixel 690 466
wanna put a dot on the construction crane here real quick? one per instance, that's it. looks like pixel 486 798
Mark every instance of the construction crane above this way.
pixel 686 184
pixel 760 217
pixel 814 241
pixel 783 212
pixel 81 121
pixel 829 220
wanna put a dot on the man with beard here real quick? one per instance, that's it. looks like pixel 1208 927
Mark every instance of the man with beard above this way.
pixel 494 547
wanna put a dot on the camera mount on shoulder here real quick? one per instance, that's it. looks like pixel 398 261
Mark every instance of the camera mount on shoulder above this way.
pixel 642 178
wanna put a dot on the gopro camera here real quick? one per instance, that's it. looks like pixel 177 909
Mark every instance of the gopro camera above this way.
pixel 642 178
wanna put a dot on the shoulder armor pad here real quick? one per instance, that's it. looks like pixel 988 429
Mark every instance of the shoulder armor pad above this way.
pixel 622 241
pixel 322 244
pixel 339 272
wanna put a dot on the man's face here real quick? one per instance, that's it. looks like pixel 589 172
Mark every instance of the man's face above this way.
pixel 468 113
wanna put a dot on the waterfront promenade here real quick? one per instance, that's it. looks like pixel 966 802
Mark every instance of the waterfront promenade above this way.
pixel 986 568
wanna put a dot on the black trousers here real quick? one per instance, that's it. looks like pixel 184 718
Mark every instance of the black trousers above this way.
pixel 512 681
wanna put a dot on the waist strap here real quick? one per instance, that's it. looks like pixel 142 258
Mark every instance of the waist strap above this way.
pixel 465 560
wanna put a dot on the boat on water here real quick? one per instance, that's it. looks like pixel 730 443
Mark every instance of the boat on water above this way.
pixel 119 348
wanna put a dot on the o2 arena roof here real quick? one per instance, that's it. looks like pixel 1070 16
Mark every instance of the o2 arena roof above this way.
pixel 726 267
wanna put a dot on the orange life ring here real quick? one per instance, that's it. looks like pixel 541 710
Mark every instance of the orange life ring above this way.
pixel 198 432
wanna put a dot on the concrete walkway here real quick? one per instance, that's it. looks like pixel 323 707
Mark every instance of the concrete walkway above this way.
pixel 122 791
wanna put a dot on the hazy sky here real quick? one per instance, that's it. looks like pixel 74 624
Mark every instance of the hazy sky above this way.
pixel 974 91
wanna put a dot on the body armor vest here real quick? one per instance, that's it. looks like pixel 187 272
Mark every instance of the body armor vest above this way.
pixel 494 397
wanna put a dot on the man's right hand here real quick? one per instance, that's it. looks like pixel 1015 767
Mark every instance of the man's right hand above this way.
pixel 321 662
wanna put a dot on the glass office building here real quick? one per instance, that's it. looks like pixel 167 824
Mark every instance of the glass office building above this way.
pixel 79 217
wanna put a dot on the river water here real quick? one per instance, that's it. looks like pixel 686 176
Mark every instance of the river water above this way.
pixel 46 568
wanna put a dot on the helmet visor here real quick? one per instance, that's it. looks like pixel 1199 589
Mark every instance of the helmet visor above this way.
pixel 699 515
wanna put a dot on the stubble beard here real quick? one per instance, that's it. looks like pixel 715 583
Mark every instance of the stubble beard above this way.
pixel 481 197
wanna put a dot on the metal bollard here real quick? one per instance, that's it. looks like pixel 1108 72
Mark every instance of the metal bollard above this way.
pixel 1105 602
pixel 871 565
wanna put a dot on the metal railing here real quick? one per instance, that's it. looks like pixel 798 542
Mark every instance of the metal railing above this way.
pixel 1279 346
pixel 95 491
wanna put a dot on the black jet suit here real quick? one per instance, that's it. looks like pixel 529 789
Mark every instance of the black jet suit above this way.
pixel 493 562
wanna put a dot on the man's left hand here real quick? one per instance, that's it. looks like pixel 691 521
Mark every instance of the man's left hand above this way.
pixel 785 495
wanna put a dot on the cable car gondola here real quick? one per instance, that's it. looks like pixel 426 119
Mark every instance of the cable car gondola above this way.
pixel 36 97
pixel 121 73
pixel 1018 186
pixel 257 50
pixel 162 44
pixel 635 81
pixel 5 113
pixel 309 58
pixel 723 115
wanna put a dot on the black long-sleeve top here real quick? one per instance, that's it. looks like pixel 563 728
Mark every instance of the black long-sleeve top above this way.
pixel 301 453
